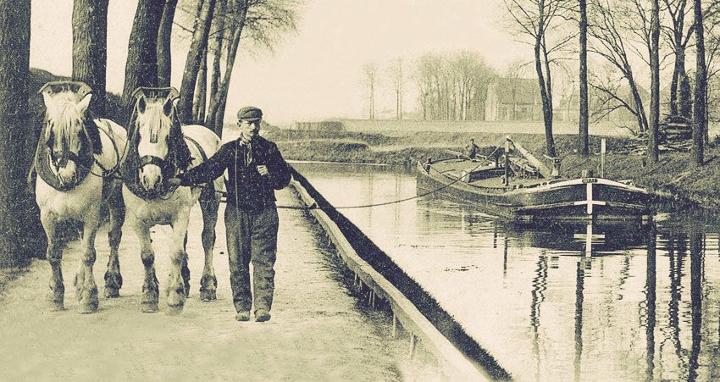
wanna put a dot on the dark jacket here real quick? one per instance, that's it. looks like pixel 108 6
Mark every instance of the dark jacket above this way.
pixel 244 184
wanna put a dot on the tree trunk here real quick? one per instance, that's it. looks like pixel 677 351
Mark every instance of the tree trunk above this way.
pixel 678 21
pixel 639 108
pixel 685 98
pixel 221 13
pixel 20 233
pixel 89 29
pixel 583 140
pixel 545 97
pixel 216 111
pixel 700 86
pixel 141 65
pixel 193 62
pixel 678 74
pixel 220 116
pixel 163 44
pixel 654 83
pixel 200 92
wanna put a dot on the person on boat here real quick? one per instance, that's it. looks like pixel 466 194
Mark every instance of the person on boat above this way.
pixel 471 150
pixel 255 168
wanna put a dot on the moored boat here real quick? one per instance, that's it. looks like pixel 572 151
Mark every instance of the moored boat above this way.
pixel 492 189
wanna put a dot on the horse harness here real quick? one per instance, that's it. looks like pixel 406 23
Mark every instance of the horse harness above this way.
pixel 47 163
pixel 168 167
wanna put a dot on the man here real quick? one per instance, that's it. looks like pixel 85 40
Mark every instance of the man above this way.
pixel 471 150
pixel 255 168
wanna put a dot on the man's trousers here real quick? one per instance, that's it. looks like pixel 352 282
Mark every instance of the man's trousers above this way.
pixel 252 237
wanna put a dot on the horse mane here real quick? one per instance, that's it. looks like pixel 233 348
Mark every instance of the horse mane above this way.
pixel 156 121
pixel 93 132
pixel 67 122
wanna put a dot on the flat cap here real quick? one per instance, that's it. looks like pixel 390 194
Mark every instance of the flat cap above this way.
pixel 249 113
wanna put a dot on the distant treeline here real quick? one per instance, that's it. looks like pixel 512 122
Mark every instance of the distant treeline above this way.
pixel 453 87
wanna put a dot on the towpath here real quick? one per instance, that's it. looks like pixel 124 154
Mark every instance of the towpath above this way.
pixel 318 330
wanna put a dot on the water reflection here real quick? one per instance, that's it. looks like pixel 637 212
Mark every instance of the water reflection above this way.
pixel 650 297
pixel 553 302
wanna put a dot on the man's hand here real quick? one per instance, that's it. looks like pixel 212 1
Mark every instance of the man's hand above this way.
pixel 174 182
pixel 262 169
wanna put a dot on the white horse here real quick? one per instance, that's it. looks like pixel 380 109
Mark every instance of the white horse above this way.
pixel 159 148
pixel 75 160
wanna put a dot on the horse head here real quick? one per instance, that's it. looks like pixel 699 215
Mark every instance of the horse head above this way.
pixel 155 129
pixel 64 133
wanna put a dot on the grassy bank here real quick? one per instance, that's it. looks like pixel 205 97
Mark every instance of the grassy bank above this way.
pixel 674 176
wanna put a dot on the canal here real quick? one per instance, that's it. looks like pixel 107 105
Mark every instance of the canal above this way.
pixel 554 302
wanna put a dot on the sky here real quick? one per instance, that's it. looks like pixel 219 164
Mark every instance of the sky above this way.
pixel 316 72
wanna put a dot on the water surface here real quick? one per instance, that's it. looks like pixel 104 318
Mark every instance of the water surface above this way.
pixel 593 303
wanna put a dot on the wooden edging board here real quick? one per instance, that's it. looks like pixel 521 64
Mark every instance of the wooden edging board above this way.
pixel 404 310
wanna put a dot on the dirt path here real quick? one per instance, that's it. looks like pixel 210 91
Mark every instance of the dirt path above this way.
pixel 316 332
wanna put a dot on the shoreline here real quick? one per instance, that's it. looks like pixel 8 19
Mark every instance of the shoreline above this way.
pixel 673 179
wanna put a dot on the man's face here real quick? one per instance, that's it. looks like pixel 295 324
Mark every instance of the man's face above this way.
pixel 248 129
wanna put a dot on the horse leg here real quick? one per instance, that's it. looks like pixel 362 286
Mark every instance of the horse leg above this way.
pixel 185 270
pixel 54 256
pixel 150 294
pixel 87 292
pixel 208 283
pixel 176 286
pixel 113 277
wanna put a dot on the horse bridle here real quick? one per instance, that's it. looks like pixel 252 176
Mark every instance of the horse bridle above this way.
pixel 67 155
pixel 167 167
pixel 164 164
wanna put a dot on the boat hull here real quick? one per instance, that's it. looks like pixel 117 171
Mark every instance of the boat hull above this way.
pixel 588 199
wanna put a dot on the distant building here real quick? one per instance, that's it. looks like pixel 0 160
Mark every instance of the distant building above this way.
pixel 513 99
pixel 320 126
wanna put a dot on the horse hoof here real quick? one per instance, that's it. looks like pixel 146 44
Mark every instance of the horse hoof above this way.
pixel 56 300
pixel 208 295
pixel 89 300
pixel 149 307
pixel 56 306
pixel 174 310
pixel 89 308
pixel 111 292
pixel 113 282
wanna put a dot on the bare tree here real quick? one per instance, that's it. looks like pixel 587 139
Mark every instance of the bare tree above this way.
pixel 261 23
pixel 200 100
pixel 700 85
pixel 89 29
pixel 470 75
pixel 679 34
pixel 537 20
pixel 163 44
pixel 141 64
pixel 20 230
pixel 397 81
pixel 370 79
pixel 613 25
pixel 453 86
pixel 583 139
pixel 711 21
pixel 217 45
pixel 679 38
pixel 216 110
pixel 654 82
pixel 194 60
